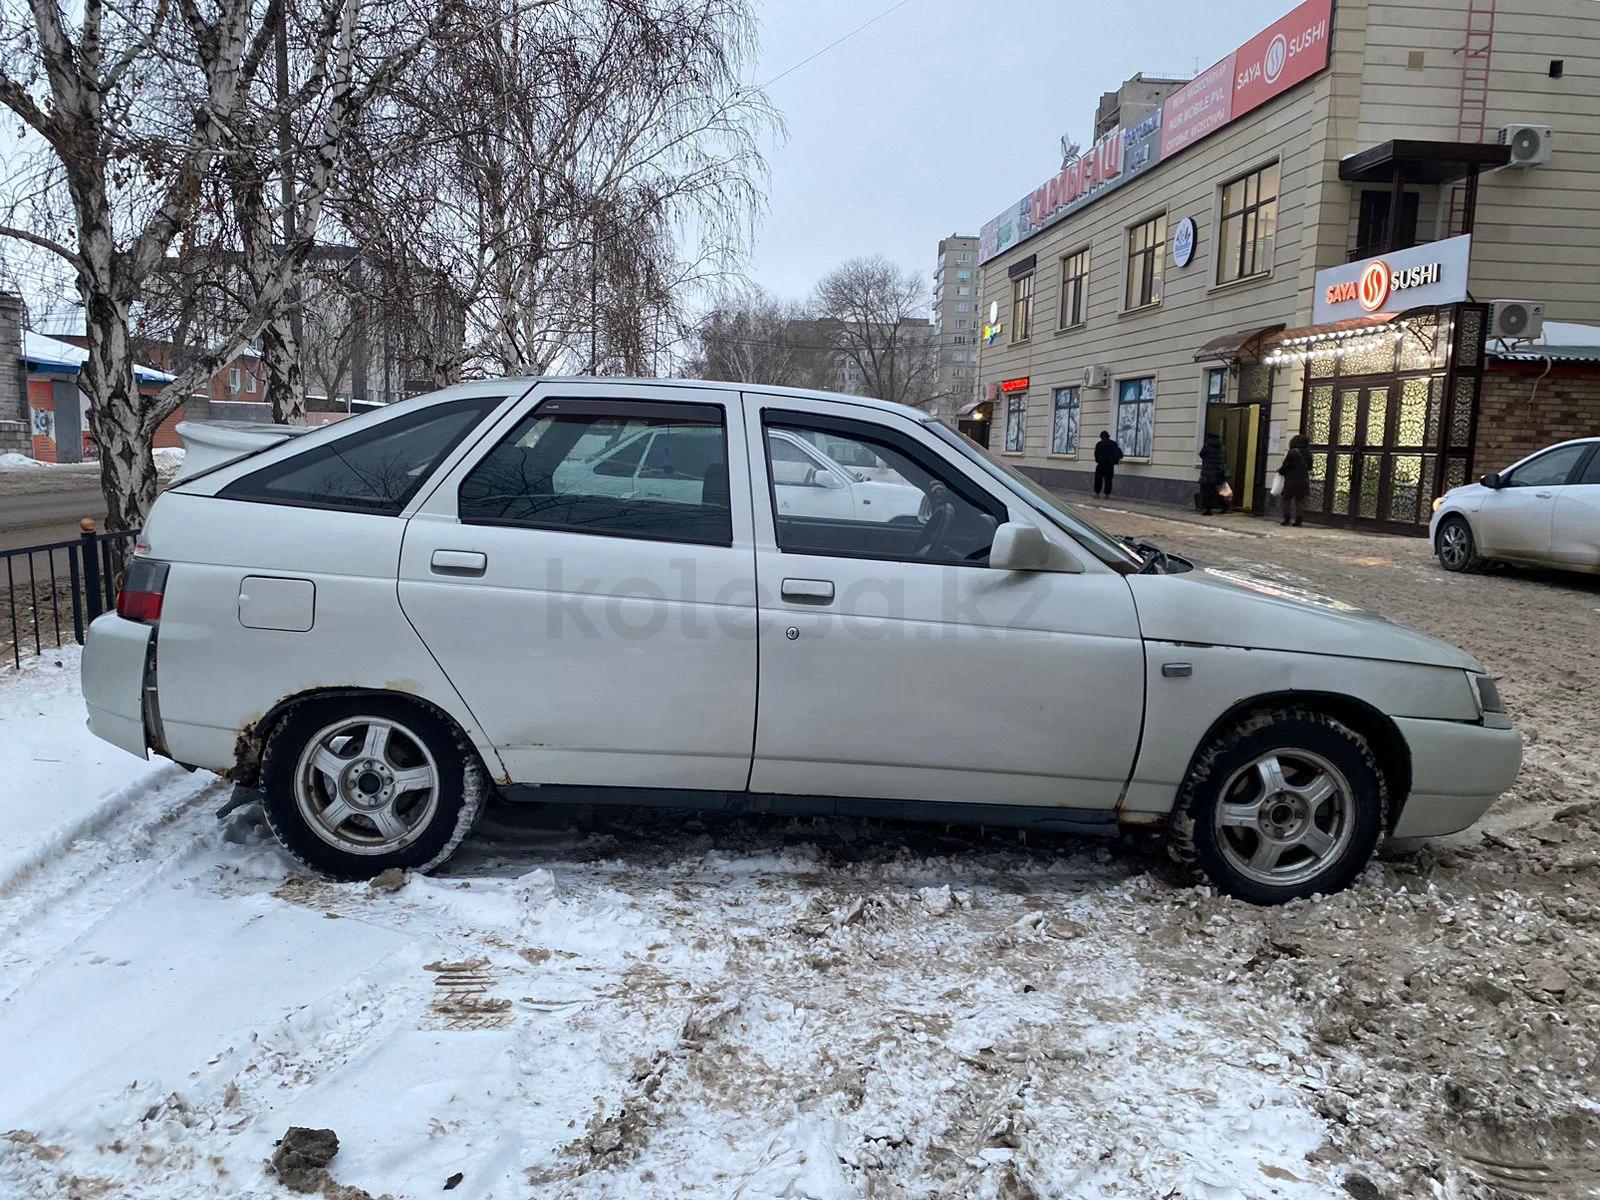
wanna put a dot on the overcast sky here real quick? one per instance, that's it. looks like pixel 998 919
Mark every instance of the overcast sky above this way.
pixel 935 118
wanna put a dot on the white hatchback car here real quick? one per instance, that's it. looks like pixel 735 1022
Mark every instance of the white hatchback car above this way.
pixel 380 621
pixel 1544 511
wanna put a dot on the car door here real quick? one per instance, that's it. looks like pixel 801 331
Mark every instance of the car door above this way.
pixel 599 639
pixel 1575 527
pixel 1516 518
pixel 895 663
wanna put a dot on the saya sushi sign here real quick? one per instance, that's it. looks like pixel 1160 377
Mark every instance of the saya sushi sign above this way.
pixel 1286 53
pixel 1433 273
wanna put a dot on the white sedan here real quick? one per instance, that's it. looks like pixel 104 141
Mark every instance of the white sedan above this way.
pixel 653 593
pixel 1544 511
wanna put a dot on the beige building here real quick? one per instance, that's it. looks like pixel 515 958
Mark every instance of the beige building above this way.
pixel 956 324
pixel 1168 284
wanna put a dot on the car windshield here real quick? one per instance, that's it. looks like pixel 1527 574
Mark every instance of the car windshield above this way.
pixel 1108 549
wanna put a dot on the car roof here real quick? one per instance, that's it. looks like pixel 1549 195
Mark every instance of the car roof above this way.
pixel 521 383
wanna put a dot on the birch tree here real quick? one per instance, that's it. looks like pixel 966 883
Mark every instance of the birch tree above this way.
pixel 872 311
pixel 134 106
pixel 566 184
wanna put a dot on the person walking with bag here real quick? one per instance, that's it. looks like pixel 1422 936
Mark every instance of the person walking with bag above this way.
pixel 1214 489
pixel 1107 454
pixel 1295 474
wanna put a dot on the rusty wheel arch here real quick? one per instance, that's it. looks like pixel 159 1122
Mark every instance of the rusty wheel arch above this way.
pixel 253 737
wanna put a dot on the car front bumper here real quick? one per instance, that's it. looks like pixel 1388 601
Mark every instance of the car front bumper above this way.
pixel 113 673
pixel 1457 772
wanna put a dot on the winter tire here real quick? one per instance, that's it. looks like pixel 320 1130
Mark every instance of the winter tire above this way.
pixel 1456 548
pixel 1282 806
pixel 354 787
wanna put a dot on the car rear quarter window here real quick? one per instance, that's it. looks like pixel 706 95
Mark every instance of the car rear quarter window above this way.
pixel 376 469
pixel 652 470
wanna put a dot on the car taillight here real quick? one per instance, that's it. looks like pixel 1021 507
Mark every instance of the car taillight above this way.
pixel 143 584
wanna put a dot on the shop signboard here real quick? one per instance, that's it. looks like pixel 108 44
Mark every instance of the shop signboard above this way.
pixel 1286 53
pixel 1420 277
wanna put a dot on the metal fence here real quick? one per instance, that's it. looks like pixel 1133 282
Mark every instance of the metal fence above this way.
pixel 50 593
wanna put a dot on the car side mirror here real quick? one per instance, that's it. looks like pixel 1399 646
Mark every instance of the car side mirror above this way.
pixel 825 478
pixel 1491 481
pixel 1018 547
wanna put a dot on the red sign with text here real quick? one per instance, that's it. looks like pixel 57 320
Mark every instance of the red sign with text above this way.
pixel 1287 52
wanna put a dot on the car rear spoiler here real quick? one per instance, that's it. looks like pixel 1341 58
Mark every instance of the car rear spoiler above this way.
pixel 211 444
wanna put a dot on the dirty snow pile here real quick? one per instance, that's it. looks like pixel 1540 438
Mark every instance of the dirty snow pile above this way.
pixel 12 461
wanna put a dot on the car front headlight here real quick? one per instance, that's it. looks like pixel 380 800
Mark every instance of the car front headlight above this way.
pixel 1437 500
pixel 1488 694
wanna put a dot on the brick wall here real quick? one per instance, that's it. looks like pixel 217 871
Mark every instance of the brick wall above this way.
pixel 14 438
pixel 1513 424
pixel 13 405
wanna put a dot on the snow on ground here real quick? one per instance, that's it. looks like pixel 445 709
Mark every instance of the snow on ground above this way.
pixel 638 1004
pixel 12 461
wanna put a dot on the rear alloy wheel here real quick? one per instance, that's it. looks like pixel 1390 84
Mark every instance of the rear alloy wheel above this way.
pixel 1283 806
pixel 354 788
pixel 1456 547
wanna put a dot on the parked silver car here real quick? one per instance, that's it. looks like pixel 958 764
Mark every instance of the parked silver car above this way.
pixel 1544 511
pixel 622 591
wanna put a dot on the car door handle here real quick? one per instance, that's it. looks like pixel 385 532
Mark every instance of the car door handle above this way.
pixel 815 591
pixel 1544 495
pixel 459 562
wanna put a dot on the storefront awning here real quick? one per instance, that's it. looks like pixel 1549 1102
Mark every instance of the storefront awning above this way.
pixel 1422 162
pixel 1241 343
pixel 1353 327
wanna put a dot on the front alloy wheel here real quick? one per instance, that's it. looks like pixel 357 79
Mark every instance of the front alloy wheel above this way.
pixel 1284 817
pixel 1281 806
pixel 1456 549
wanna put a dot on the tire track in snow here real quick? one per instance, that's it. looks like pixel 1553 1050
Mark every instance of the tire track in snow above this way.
pixel 130 844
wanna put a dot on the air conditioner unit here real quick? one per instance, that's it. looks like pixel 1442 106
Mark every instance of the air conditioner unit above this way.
pixel 1520 319
pixel 1530 144
pixel 1096 376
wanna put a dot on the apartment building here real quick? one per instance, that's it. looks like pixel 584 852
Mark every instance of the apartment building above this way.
pixel 1309 236
pixel 957 324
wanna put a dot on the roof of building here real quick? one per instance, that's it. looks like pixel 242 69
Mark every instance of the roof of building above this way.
pixel 44 353
pixel 1560 341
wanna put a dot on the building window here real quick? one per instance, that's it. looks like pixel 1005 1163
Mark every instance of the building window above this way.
pixel 250 382
pixel 1372 222
pixel 1074 288
pixel 1217 385
pixel 233 381
pixel 1016 421
pixel 1136 405
pixel 1146 244
pixel 963 276
pixel 963 291
pixel 959 340
pixel 964 256
pixel 1064 421
pixel 1021 307
pixel 1249 225
pixel 961 323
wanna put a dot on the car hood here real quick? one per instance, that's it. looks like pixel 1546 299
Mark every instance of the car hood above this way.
pixel 1219 606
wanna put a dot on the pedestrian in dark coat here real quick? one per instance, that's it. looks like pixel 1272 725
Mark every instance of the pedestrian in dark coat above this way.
pixel 1296 472
pixel 1213 473
pixel 1107 454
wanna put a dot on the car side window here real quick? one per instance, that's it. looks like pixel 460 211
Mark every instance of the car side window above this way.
pixel 1591 473
pixel 912 507
pixel 1550 469
pixel 666 478
pixel 377 468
